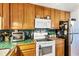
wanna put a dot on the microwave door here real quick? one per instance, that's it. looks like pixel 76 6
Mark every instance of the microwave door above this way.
pixel 38 23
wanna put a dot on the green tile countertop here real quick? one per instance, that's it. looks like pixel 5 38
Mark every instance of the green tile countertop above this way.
pixel 24 41
pixel 10 45
pixel 6 45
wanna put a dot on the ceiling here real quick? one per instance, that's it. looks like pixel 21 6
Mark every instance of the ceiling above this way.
pixel 61 6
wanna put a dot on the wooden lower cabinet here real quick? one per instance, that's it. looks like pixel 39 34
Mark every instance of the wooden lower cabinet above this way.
pixel 12 52
pixel 29 52
pixel 26 50
pixel 56 18
pixel 60 47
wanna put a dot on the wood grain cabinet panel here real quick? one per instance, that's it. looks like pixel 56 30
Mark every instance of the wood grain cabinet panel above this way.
pixel 12 52
pixel 16 13
pixel 39 11
pixel 27 50
pixel 60 47
pixel 57 18
pixel 6 20
pixel 47 12
pixel 30 52
pixel 53 18
pixel 27 46
pixel 1 17
pixel 67 15
pixel 1 9
pixel 62 16
pixel 29 16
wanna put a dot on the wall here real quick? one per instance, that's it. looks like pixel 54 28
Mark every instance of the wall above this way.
pixel 75 14
pixel 60 6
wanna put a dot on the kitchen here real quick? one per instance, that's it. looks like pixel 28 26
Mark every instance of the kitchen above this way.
pixel 28 29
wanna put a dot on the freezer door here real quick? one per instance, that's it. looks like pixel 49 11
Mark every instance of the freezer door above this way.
pixel 75 45
pixel 74 28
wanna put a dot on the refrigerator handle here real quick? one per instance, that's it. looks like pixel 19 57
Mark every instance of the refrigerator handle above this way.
pixel 72 39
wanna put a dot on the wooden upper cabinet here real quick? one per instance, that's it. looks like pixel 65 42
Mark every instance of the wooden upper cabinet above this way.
pixel 1 20
pixel 47 12
pixel 52 17
pixel 29 16
pixel 0 9
pixel 57 18
pixel 6 20
pixel 67 15
pixel 16 15
pixel 39 11
pixel 62 16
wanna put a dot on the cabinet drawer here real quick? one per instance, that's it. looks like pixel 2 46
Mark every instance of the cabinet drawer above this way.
pixel 60 51
pixel 30 52
pixel 60 45
pixel 27 46
pixel 60 41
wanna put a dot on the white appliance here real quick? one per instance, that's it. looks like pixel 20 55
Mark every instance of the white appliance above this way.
pixel 17 35
pixel 42 23
pixel 43 46
pixel 74 37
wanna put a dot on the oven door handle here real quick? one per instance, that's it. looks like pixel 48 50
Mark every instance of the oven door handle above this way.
pixel 44 45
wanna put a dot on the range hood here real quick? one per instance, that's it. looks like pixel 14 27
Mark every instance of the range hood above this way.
pixel 42 23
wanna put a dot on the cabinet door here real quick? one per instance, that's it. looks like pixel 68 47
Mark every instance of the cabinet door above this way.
pixel 39 11
pixel 60 47
pixel 57 18
pixel 13 53
pixel 67 15
pixel 27 49
pixel 29 16
pixel 53 18
pixel 1 16
pixel 16 13
pixel 47 11
pixel 6 23
pixel 27 46
pixel 62 16
pixel 29 52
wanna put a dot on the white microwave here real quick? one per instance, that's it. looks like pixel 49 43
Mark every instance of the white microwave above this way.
pixel 17 36
pixel 42 23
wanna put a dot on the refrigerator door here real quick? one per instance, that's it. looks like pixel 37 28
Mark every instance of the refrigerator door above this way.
pixel 75 27
pixel 74 37
pixel 75 45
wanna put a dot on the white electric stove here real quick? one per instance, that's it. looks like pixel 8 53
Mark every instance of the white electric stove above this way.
pixel 44 47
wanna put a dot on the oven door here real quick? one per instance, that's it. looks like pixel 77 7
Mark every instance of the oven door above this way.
pixel 47 50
